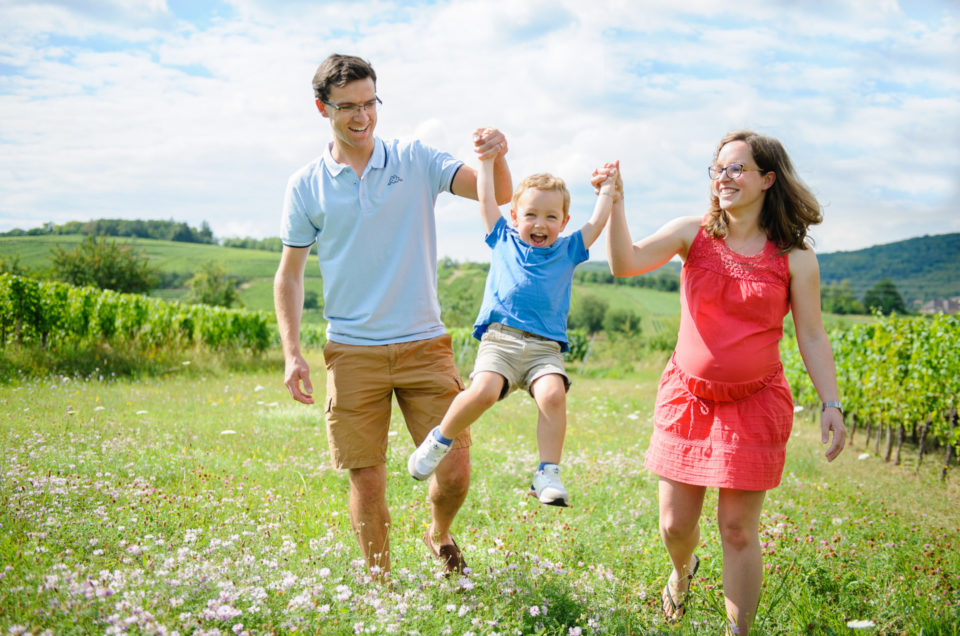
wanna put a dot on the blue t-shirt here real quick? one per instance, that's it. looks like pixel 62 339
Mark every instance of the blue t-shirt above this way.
pixel 528 287
pixel 376 240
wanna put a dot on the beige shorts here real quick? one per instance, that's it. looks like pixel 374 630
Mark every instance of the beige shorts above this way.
pixel 520 357
pixel 361 382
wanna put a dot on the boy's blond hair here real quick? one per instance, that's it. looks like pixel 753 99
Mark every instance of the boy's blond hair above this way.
pixel 544 181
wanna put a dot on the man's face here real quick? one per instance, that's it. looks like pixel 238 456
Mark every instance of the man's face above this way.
pixel 352 130
pixel 539 217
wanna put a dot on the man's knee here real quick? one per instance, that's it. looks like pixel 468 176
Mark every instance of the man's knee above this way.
pixel 369 483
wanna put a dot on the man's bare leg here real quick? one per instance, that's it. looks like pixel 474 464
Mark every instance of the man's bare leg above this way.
pixel 448 490
pixel 371 518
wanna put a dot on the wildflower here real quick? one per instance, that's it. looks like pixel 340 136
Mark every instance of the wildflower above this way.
pixel 574 631
pixel 534 610
pixel 861 624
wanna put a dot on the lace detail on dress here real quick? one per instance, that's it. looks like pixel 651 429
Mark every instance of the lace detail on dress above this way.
pixel 713 254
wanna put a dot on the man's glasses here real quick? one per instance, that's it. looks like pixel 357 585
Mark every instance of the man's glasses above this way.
pixel 354 109
pixel 733 171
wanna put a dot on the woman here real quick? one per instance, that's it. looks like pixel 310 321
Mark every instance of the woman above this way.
pixel 724 409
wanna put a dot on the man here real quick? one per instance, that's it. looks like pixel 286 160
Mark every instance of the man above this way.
pixel 369 206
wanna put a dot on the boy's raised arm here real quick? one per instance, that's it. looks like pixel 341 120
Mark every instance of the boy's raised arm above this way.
pixel 486 192
pixel 610 194
pixel 486 141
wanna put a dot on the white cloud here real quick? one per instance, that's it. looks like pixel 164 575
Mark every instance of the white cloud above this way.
pixel 123 109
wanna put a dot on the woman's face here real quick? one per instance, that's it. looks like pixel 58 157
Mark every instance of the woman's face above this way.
pixel 745 192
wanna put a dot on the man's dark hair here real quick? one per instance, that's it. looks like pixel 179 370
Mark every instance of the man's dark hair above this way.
pixel 339 70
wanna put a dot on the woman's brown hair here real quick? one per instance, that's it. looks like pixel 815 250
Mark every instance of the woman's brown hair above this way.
pixel 789 207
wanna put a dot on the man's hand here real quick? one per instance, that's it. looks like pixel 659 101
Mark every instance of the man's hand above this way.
pixel 489 143
pixel 296 371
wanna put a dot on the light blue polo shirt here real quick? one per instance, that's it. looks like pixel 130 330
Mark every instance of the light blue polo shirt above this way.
pixel 376 239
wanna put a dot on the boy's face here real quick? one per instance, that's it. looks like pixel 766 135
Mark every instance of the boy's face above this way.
pixel 539 217
pixel 352 130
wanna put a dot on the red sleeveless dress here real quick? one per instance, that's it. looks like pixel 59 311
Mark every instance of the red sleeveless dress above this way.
pixel 724 409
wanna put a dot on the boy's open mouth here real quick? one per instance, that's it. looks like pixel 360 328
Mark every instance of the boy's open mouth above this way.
pixel 538 239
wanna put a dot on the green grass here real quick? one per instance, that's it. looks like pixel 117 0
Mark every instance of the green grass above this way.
pixel 203 499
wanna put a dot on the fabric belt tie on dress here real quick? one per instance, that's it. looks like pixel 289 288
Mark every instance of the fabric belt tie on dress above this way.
pixel 703 391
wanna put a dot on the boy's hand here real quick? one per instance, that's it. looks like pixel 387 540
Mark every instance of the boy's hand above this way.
pixel 489 143
pixel 608 175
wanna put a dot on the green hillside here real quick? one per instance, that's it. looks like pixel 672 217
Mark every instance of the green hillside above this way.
pixel 922 268
pixel 254 268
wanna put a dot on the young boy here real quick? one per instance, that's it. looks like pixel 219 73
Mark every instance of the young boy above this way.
pixel 522 326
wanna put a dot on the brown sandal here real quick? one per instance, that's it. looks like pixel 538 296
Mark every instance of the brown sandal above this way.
pixel 667 597
pixel 449 555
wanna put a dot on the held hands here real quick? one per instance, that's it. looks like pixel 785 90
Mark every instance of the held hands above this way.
pixel 606 181
pixel 832 420
pixel 489 143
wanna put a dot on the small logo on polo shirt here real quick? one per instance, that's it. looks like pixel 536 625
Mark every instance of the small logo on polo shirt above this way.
pixel 394 179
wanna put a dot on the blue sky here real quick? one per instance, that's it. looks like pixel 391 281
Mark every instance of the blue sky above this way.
pixel 199 111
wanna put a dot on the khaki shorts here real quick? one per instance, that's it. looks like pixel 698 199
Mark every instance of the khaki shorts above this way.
pixel 520 357
pixel 361 382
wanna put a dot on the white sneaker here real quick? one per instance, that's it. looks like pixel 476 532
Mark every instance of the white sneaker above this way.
pixel 424 460
pixel 547 487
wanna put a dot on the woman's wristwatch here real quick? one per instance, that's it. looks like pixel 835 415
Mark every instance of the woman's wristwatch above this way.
pixel 834 404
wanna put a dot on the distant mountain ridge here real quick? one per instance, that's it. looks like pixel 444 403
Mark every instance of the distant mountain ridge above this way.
pixel 923 268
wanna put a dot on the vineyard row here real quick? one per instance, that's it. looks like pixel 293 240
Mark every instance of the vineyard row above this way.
pixel 899 377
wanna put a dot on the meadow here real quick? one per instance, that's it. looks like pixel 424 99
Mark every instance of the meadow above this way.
pixel 202 501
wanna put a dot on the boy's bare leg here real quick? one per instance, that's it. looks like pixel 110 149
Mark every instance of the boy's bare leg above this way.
pixel 371 517
pixel 483 392
pixel 549 392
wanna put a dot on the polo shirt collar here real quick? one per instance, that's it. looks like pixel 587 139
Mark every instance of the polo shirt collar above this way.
pixel 378 160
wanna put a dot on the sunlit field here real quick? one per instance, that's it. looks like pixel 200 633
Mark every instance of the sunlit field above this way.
pixel 203 502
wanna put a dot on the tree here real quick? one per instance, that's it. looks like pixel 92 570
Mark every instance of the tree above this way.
pixel 587 314
pixel 212 286
pixel 102 263
pixel 311 299
pixel 11 265
pixel 840 299
pixel 621 321
pixel 884 297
